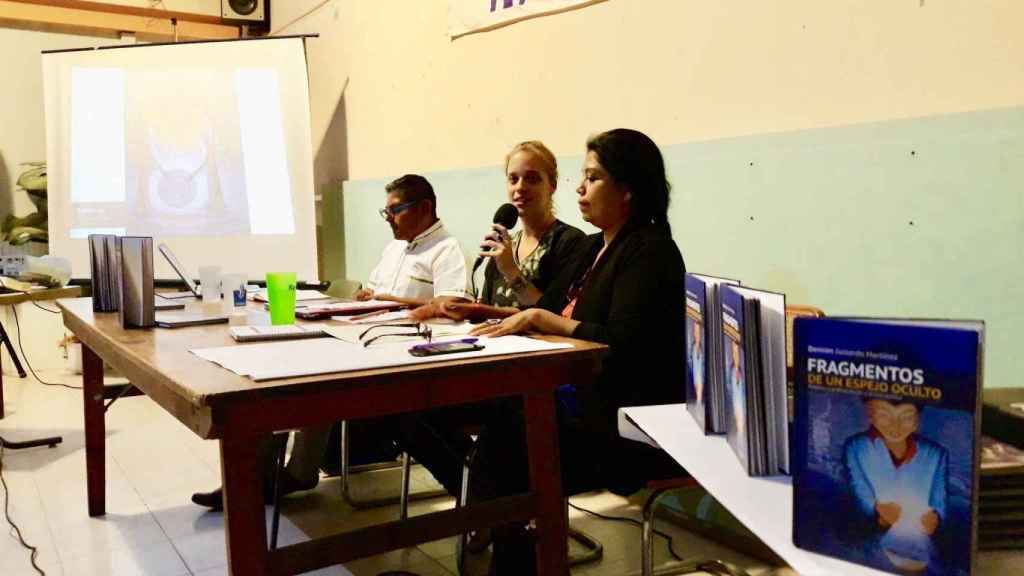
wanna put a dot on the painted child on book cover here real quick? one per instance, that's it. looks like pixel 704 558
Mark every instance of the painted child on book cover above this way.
pixel 695 351
pixel 885 445
pixel 735 375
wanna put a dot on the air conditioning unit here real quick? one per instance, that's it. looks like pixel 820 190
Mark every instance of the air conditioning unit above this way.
pixel 253 12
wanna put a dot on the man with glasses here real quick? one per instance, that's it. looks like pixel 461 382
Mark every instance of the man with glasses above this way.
pixel 423 263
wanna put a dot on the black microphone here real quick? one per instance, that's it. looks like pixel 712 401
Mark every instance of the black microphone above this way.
pixel 507 216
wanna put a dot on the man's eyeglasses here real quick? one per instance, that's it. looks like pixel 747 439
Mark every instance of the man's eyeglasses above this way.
pixel 389 212
pixel 421 330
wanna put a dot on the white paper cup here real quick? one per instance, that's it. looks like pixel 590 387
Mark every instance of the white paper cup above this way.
pixel 231 285
pixel 209 283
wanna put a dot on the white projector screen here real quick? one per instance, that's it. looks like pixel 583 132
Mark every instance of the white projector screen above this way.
pixel 203 146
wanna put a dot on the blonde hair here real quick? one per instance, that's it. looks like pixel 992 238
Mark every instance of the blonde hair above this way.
pixel 538 149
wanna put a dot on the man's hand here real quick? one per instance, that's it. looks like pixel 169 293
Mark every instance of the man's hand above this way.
pixel 427 311
pixel 888 513
pixel 363 294
pixel 929 522
pixel 457 309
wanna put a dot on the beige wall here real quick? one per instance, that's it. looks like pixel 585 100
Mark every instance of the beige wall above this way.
pixel 681 70
pixel 22 126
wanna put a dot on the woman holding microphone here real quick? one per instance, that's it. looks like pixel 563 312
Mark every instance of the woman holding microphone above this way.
pixel 522 265
pixel 625 290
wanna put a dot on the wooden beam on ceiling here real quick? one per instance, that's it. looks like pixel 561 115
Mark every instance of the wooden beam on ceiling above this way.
pixel 111 20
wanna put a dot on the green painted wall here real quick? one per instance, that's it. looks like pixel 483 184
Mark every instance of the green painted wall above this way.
pixel 911 218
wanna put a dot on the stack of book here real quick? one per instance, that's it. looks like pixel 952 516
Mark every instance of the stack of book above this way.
pixel 754 338
pixel 1001 503
pixel 736 369
pixel 105 272
pixel 1002 415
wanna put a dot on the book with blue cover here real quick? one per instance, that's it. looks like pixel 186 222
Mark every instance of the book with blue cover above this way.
pixel 754 340
pixel 704 360
pixel 696 351
pixel 737 401
pixel 887 437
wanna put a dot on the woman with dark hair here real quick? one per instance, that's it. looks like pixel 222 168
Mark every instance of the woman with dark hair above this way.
pixel 625 290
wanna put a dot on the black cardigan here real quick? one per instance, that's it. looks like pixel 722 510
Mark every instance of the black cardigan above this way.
pixel 565 243
pixel 633 301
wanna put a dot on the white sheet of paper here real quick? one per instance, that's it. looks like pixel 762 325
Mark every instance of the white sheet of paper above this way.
pixel 290 358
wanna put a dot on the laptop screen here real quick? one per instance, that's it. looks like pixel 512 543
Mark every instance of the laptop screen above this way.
pixel 179 269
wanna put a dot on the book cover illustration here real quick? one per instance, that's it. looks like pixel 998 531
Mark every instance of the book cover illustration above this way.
pixel 736 421
pixel 886 456
pixel 696 355
pixel 714 356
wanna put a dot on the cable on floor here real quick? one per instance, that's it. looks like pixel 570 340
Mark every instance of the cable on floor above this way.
pixel 17 324
pixel 44 308
pixel 33 551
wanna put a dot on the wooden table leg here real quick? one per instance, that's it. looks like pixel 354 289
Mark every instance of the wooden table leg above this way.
pixel 95 432
pixel 244 521
pixel 546 482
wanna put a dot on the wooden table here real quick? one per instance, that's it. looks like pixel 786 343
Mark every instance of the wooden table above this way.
pixel 13 298
pixel 216 403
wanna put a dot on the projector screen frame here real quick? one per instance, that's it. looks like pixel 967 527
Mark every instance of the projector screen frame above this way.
pixel 181 43
pixel 303 190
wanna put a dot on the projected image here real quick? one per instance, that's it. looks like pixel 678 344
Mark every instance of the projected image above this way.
pixel 184 161
pixel 190 161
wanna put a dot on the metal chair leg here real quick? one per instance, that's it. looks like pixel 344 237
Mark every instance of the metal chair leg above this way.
pixel 712 566
pixel 403 495
pixel 462 543
pixel 275 521
pixel 364 503
pixel 647 534
pixel 594 550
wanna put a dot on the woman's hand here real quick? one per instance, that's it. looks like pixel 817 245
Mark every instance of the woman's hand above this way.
pixel 515 324
pixel 497 245
pixel 363 294
pixel 532 320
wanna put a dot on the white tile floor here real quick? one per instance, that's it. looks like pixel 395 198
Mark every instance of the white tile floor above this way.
pixel 151 528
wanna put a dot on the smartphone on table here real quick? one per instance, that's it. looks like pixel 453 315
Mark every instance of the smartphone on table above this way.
pixel 435 348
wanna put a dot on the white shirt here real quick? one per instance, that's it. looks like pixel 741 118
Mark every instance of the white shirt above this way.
pixel 430 265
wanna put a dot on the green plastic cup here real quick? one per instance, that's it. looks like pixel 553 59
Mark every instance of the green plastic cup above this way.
pixel 281 293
